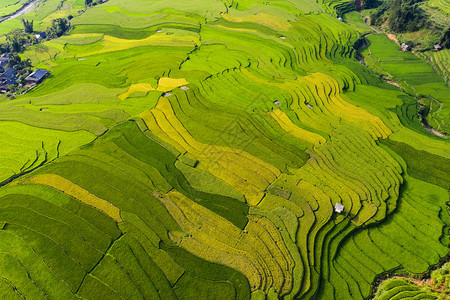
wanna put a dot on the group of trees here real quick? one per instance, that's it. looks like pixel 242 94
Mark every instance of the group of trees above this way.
pixel 27 26
pixel 93 2
pixel 17 63
pixel 445 39
pixel 400 15
pixel 17 39
pixel 368 4
pixel 23 68
pixel 59 27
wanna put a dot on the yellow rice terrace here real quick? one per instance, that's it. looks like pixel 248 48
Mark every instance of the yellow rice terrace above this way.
pixel 223 149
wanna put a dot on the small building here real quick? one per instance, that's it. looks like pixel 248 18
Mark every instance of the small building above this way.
pixel 8 74
pixel 4 88
pixel 4 59
pixel 340 19
pixel 7 78
pixel 37 76
pixel 277 103
pixel 41 35
pixel 437 47
pixel 405 47
pixel 3 64
pixel 339 208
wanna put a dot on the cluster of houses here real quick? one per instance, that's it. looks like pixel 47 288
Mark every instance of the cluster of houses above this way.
pixel 8 75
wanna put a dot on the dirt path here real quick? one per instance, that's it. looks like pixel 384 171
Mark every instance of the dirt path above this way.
pixel 27 8
pixel 392 82
pixel 392 37
pixel 367 21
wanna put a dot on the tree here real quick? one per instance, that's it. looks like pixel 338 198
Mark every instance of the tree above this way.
pixel 27 26
pixel 17 63
pixel 370 3
pixel 15 40
pixel 445 39
pixel 87 2
pixel 58 28
pixel 401 15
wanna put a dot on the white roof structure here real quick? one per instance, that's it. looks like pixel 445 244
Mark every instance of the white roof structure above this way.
pixel 338 208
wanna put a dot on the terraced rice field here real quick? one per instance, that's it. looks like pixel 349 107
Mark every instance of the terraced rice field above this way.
pixel 196 150
pixel 415 76
pixel 443 5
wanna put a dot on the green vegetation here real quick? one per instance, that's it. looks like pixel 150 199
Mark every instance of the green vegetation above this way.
pixel 397 288
pixel 420 24
pixel 400 15
pixel 197 150
pixel 428 167
pixel 415 76
pixel 435 287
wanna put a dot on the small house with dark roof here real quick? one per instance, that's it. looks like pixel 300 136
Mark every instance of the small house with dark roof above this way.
pixel 8 74
pixel 7 78
pixel 37 76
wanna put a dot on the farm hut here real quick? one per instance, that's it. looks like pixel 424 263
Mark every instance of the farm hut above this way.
pixel 338 208
pixel 37 76
pixel 41 35
pixel 437 47
pixel 405 47
pixel 277 103
pixel 340 19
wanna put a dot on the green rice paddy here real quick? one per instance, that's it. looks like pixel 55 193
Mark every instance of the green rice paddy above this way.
pixel 197 150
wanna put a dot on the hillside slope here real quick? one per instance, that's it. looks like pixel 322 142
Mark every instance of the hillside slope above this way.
pixel 197 149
